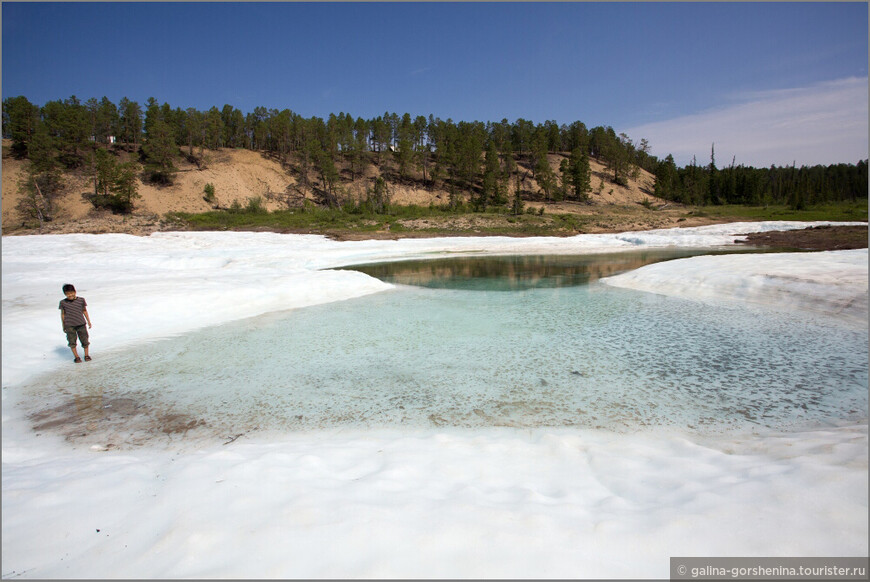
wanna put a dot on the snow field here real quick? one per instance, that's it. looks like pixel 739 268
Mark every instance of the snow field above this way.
pixel 388 503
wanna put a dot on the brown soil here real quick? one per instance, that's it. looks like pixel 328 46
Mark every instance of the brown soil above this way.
pixel 112 422
pixel 819 238
pixel 239 175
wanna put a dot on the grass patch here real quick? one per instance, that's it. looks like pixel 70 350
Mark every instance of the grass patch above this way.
pixel 836 212
pixel 354 220
pixel 440 221
pixel 310 218
pixel 289 220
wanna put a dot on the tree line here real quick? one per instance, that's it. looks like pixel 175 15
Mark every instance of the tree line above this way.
pixel 479 160
pixel 797 187
pixel 474 158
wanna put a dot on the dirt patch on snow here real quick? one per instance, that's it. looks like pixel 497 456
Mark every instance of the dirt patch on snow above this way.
pixel 819 238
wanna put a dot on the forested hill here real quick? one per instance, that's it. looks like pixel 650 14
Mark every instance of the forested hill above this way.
pixel 480 165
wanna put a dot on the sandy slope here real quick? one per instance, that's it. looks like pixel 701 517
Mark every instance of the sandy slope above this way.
pixel 239 175
pixel 236 175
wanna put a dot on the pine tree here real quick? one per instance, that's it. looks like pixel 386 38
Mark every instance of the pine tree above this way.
pixel 517 201
pixel 713 179
pixel 234 127
pixel 329 177
pixel 539 151
pixel 577 136
pixel 131 123
pixel 381 135
pixel 214 129
pixel 193 126
pixel 104 172
pixel 618 153
pixel 103 119
pixel 68 125
pixel 405 152
pixel 20 118
pixel 39 191
pixel 116 183
pixel 510 163
pixel 159 147
pixel 42 150
pixel 566 187
pixel 581 174
pixel 360 153
pixel 521 135
pixel 378 198
pixel 490 191
pixel 544 175
pixel 553 136
pixel 666 179
pixel 125 185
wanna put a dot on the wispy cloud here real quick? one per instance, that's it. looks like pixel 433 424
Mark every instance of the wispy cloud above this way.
pixel 821 124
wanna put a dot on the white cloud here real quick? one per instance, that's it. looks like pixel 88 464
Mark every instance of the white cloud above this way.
pixel 821 124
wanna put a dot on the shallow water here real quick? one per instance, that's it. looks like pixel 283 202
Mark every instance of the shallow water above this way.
pixel 521 272
pixel 546 354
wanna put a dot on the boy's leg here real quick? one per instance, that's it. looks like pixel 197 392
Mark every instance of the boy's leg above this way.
pixel 71 340
pixel 83 336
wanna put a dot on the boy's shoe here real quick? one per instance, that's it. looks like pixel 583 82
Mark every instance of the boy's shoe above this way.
pixel 78 360
pixel 87 358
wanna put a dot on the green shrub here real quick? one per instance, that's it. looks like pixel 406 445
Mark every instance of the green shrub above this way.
pixel 117 204
pixel 255 205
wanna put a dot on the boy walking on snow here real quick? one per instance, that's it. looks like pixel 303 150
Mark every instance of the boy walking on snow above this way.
pixel 73 313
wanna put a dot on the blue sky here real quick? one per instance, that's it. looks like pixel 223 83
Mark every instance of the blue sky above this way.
pixel 768 82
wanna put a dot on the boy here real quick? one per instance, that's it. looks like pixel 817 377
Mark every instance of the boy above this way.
pixel 73 313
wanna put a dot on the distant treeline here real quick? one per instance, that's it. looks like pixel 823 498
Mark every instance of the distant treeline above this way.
pixel 476 158
pixel 798 187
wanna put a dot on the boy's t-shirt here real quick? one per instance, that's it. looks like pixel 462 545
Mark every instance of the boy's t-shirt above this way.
pixel 73 315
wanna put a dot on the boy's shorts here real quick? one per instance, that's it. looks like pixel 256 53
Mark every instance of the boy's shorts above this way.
pixel 79 330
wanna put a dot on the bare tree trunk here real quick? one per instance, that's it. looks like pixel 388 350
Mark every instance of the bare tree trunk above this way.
pixel 40 204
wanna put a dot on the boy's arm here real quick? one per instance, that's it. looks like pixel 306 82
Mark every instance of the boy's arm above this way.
pixel 88 317
pixel 61 320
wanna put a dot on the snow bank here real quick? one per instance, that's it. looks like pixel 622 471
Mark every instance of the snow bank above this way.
pixel 436 503
pixel 833 283
pixel 493 504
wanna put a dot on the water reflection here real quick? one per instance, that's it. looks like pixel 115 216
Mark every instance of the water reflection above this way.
pixel 516 272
